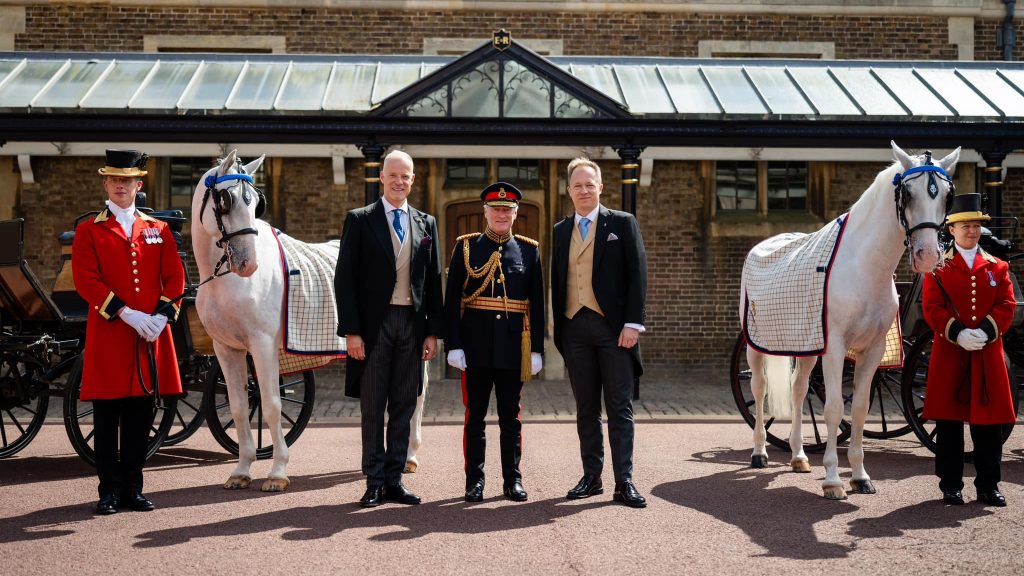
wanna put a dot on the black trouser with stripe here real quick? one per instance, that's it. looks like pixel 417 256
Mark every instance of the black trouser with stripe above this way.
pixel 390 383
pixel 120 471
pixel 949 454
pixel 476 396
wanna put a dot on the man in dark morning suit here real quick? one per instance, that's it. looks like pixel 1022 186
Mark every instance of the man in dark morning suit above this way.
pixel 388 290
pixel 494 329
pixel 598 288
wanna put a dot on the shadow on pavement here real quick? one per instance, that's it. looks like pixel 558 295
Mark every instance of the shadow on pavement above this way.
pixel 37 525
pixel 928 515
pixel 452 516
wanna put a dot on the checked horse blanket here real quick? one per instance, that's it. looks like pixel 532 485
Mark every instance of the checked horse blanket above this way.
pixel 310 313
pixel 785 280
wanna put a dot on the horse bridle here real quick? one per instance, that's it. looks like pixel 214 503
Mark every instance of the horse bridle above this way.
pixel 903 193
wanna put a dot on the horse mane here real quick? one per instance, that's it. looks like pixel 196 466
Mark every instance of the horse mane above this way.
pixel 882 180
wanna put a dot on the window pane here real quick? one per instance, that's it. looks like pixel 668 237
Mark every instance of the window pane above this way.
pixel 475 94
pixel 466 171
pixel 165 87
pixel 211 89
pixel 521 173
pixel 117 89
pixel 258 87
pixel 527 95
pixel 736 185
pixel 72 85
pixel 304 89
pixel 787 186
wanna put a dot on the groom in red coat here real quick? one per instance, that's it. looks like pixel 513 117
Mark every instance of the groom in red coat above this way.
pixel 126 266
pixel 968 302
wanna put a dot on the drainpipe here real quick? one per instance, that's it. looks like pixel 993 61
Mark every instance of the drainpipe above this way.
pixel 1006 37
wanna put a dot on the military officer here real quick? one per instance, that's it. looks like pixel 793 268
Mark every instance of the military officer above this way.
pixel 125 266
pixel 494 329
pixel 968 302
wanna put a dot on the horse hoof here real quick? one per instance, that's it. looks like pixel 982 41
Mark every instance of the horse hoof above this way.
pixel 759 461
pixel 862 487
pixel 801 466
pixel 275 485
pixel 238 482
pixel 835 493
pixel 410 467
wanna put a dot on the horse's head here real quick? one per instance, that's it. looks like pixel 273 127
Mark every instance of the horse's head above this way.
pixel 924 191
pixel 226 205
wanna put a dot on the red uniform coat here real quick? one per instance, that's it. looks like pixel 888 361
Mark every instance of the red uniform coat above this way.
pixel 111 272
pixel 983 297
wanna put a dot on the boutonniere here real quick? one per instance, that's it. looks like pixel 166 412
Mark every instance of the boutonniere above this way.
pixel 426 241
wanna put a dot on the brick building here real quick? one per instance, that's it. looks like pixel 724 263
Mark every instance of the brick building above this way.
pixel 701 207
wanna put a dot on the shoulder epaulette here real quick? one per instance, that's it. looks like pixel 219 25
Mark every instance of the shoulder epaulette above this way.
pixel 529 241
pixel 467 236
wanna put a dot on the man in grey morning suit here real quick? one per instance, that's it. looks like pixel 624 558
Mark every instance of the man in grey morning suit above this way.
pixel 388 289
pixel 598 290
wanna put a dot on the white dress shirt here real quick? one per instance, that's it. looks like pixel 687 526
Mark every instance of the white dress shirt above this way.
pixel 124 216
pixel 968 255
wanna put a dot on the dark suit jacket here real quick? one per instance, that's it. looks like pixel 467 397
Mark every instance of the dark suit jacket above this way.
pixel 366 276
pixel 620 272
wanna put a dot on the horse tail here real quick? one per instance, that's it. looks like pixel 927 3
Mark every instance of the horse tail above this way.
pixel 779 376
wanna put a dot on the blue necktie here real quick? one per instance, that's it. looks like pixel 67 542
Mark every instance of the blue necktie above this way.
pixel 397 223
pixel 584 227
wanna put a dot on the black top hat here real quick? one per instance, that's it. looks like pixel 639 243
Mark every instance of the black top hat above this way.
pixel 966 208
pixel 124 163
pixel 501 194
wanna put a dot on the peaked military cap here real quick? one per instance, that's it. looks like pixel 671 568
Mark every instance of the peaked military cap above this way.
pixel 966 208
pixel 125 163
pixel 501 194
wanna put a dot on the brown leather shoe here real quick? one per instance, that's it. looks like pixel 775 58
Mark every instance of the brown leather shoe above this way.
pixel 588 486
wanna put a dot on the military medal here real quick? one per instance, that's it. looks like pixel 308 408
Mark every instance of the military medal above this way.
pixel 991 279
pixel 152 235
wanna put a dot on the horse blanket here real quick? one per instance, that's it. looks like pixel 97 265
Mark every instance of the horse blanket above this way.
pixel 310 314
pixel 785 281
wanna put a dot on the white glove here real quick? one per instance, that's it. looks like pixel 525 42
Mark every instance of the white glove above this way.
pixel 457 359
pixel 161 323
pixel 982 337
pixel 143 323
pixel 536 363
pixel 970 341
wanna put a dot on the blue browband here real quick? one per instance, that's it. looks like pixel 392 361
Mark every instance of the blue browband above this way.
pixel 212 180
pixel 916 169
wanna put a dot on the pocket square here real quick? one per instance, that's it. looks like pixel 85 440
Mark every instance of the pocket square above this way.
pixel 612 236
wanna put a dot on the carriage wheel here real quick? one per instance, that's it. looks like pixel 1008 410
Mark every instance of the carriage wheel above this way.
pixel 816 431
pixel 886 416
pixel 297 394
pixel 915 377
pixel 78 419
pixel 189 412
pixel 23 403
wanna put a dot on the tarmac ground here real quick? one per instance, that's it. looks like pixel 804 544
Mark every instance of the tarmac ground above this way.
pixel 708 512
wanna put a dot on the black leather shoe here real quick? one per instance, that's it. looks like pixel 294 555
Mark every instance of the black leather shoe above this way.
pixel 398 493
pixel 954 497
pixel 475 493
pixel 626 493
pixel 515 492
pixel 136 501
pixel 107 505
pixel 992 497
pixel 588 486
pixel 372 497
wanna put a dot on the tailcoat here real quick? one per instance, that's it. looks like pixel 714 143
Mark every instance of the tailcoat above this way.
pixel 968 386
pixel 112 271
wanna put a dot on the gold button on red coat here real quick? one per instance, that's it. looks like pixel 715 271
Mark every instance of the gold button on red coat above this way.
pixel 136 280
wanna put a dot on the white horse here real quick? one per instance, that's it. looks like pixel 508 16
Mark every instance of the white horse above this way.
pixel 862 304
pixel 242 311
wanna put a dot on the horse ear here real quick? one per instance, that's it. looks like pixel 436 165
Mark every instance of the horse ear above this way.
pixel 253 166
pixel 902 157
pixel 227 162
pixel 949 162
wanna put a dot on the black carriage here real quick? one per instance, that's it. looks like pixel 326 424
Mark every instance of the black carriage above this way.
pixel 42 338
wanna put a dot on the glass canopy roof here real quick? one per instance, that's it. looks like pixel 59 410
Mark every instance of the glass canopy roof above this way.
pixel 648 87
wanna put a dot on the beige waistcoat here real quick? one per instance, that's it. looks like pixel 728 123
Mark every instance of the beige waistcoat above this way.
pixel 579 285
pixel 402 296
